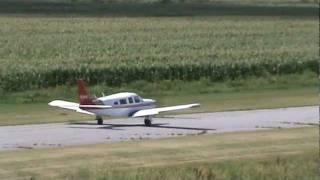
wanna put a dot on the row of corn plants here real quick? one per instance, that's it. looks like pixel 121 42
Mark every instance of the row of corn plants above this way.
pixel 21 79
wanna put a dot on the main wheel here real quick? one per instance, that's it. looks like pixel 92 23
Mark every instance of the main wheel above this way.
pixel 99 120
pixel 147 122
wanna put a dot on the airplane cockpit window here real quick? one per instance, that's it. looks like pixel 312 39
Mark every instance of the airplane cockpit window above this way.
pixel 123 101
pixel 136 99
pixel 130 100
pixel 115 103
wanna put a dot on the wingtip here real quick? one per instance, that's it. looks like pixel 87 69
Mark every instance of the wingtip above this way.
pixel 196 105
pixel 53 103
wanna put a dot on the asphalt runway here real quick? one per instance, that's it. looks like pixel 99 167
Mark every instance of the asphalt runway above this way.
pixel 66 134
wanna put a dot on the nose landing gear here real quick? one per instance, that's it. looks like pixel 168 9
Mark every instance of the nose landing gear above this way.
pixel 99 120
pixel 148 120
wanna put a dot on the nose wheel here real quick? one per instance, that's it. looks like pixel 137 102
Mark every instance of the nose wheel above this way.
pixel 148 121
pixel 99 120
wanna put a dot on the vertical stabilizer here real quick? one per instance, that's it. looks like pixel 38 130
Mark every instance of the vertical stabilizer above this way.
pixel 84 98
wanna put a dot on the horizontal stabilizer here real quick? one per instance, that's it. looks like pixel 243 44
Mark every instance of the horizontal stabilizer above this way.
pixel 68 105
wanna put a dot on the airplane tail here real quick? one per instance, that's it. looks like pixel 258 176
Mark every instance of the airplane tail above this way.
pixel 84 98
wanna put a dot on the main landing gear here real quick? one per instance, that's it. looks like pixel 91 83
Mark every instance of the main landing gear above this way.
pixel 99 120
pixel 148 120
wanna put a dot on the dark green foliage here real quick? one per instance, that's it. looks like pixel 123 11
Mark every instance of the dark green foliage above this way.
pixel 119 75
pixel 158 7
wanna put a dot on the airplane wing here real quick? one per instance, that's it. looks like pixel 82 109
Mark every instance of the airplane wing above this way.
pixel 68 105
pixel 95 106
pixel 155 111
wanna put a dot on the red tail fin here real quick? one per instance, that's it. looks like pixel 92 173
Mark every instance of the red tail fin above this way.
pixel 83 95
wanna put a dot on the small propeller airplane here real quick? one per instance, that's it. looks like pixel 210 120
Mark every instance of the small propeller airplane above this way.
pixel 124 104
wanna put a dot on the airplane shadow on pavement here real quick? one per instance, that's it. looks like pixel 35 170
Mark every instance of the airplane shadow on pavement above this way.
pixel 117 126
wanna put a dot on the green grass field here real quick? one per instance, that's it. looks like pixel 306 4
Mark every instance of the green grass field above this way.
pixel 271 154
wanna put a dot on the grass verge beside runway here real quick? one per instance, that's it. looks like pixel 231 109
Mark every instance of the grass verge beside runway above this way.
pixel 251 93
pixel 278 153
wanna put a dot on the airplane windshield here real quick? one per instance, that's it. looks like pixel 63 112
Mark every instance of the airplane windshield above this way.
pixel 136 99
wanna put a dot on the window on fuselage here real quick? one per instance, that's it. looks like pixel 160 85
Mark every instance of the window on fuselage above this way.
pixel 136 99
pixel 123 101
pixel 130 100
pixel 115 103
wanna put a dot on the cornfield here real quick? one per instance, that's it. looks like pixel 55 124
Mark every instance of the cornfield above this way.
pixel 116 76
pixel 40 52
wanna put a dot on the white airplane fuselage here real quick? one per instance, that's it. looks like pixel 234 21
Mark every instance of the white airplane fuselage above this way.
pixel 123 105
